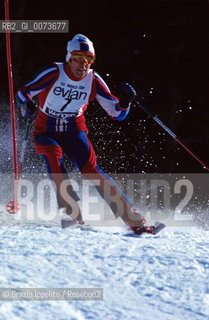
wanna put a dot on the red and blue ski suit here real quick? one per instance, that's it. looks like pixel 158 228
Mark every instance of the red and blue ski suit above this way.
pixel 60 123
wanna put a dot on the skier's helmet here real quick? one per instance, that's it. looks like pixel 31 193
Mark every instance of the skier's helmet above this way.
pixel 79 43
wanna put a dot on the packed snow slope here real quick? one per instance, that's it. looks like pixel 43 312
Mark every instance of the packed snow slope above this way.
pixel 163 277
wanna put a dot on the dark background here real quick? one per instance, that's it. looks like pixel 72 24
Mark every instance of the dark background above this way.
pixel 162 45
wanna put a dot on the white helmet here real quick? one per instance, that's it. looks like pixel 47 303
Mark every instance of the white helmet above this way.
pixel 79 43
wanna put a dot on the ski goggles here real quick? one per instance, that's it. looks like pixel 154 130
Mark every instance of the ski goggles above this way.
pixel 79 57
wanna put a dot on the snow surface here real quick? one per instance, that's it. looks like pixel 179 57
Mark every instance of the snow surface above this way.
pixel 149 277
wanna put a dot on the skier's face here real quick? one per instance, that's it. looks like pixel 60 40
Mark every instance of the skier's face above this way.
pixel 79 68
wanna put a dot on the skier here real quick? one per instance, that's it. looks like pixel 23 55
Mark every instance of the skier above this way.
pixel 65 90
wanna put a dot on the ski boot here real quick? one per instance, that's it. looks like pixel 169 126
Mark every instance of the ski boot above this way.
pixel 78 219
pixel 143 228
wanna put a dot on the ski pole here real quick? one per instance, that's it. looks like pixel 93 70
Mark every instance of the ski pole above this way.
pixel 12 107
pixel 172 134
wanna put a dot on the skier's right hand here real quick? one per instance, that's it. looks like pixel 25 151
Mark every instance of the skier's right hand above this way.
pixel 27 109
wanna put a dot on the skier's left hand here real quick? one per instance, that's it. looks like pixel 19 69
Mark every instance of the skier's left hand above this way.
pixel 127 94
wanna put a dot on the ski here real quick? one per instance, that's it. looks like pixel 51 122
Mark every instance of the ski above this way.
pixel 158 227
pixel 66 223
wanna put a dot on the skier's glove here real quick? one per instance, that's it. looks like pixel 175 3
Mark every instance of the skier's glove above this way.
pixel 127 94
pixel 27 109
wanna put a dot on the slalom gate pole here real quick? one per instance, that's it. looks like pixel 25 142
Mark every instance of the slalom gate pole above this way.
pixel 22 156
pixel 14 204
pixel 172 134
pixel 13 207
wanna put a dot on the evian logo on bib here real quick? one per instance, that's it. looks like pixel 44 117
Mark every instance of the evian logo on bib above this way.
pixel 70 94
